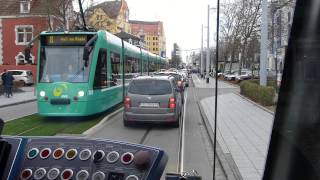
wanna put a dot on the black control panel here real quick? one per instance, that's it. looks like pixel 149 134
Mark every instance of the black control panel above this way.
pixel 64 158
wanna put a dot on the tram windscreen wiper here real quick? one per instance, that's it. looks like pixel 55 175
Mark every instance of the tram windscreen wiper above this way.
pixel 75 76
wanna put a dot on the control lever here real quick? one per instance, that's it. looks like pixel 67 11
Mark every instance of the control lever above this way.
pixel 5 148
pixel 193 175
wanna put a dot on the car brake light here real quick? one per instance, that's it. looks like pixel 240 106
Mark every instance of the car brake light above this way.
pixel 172 103
pixel 127 102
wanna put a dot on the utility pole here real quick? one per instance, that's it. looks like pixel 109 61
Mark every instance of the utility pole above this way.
pixel 208 47
pixel 263 45
pixel 201 54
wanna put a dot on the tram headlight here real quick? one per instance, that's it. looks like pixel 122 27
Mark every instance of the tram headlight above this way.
pixel 81 93
pixel 42 93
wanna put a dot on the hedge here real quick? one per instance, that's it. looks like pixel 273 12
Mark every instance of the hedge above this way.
pixel 263 95
pixel 272 83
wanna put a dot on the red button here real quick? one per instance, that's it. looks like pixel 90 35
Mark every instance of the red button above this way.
pixel 26 174
pixel 127 158
pixel 66 174
pixel 45 153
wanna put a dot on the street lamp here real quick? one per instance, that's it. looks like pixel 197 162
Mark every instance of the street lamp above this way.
pixel 208 45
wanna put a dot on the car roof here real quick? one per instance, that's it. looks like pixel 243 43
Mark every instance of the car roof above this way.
pixel 17 70
pixel 167 72
pixel 153 78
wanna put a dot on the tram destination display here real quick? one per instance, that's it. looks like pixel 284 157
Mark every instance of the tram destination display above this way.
pixel 65 40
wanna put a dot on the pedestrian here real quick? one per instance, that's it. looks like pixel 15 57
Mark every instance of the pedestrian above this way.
pixel 8 83
pixel 3 79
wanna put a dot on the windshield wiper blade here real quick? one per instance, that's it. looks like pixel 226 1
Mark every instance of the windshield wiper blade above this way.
pixel 77 74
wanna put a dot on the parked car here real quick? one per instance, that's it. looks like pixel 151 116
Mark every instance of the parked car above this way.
pixel 244 75
pixel 152 99
pixel 24 76
pixel 231 76
pixel 225 73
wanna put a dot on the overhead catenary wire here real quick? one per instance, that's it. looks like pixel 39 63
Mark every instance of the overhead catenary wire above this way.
pixel 82 15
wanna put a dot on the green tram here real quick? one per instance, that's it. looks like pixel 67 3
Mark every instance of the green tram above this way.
pixel 84 73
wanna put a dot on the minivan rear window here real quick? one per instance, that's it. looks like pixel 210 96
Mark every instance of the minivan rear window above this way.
pixel 29 73
pixel 150 87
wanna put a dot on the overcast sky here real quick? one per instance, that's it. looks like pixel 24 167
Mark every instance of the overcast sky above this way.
pixel 182 20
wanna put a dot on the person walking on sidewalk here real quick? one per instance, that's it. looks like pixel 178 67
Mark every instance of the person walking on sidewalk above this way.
pixel 2 81
pixel 8 83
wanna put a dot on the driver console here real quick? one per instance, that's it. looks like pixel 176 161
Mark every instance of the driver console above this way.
pixel 70 158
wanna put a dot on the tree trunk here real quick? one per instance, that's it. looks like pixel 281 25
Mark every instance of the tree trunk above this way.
pixel 243 50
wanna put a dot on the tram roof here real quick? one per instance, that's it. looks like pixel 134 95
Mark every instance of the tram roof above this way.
pixel 67 32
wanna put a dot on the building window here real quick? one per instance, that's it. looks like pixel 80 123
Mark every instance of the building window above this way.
pixel 156 38
pixel 24 34
pixel 99 17
pixel 20 59
pixel 25 7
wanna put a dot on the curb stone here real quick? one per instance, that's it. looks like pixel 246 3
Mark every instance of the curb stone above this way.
pixel 99 126
pixel 17 103
pixel 229 167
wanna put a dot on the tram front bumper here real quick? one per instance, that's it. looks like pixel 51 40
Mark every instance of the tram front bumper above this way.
pixel 79 108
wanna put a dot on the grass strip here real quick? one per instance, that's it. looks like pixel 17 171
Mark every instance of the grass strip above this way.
pixel 35 125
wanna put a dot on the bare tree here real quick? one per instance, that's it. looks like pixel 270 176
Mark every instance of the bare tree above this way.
pixel 230 31
pixel 61 9
pixel 250 26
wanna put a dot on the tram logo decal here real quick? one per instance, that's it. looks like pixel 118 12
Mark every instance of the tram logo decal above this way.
pixel 58 90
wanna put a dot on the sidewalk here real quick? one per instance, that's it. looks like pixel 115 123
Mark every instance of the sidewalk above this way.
pixel 201 83
pixel 244 131
pixel 18 98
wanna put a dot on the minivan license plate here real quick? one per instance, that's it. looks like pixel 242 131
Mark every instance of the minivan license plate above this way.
pixel 149 105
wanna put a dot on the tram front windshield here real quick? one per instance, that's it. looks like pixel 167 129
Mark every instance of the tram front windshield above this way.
pixel 63 64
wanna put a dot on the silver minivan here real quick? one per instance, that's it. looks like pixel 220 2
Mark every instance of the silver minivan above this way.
pixel 24 76
pixel 152 99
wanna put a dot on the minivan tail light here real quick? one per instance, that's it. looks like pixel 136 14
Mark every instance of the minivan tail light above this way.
pixel 172 103
pixel 127 102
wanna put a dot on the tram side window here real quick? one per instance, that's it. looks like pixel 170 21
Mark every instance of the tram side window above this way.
pixel 145 67
pixel 100 78
pixel 116 78
pixel 152 66
pixel 130 68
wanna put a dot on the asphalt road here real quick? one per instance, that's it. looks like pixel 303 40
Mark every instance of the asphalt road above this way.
pixel 197 150
pixel 17 111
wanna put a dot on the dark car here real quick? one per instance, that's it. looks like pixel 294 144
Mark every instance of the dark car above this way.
pixel 152 99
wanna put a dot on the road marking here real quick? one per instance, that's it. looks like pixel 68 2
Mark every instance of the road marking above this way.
pixel 145 136
pixel 181 163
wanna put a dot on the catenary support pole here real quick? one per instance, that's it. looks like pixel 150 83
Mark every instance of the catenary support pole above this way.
pixel 263 45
